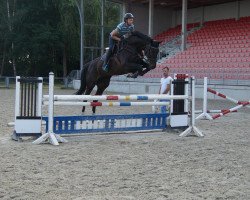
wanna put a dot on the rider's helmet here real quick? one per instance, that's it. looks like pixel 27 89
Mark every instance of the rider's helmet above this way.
pixel 128 16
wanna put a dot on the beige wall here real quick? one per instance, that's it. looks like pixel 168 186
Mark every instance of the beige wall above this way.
pixel 162 18
pixel 165 18
pixel 216 12
pixel 245 8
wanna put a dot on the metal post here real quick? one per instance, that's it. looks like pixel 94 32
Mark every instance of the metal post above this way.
pixel 151 17
pixel 79 4
pixel 92 53
pixel 7 82
pixel 184 25
pixel 102 27
pixel 123 9
pixel 82 34
pixel 65 80
pixel 237 16
pixel 202 15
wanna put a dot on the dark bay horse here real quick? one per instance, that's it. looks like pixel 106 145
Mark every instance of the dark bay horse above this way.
pixel 127 60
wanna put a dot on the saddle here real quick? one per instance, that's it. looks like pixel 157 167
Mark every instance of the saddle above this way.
pixel 117 47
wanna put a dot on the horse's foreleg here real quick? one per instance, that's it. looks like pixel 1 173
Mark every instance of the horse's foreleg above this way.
pixel 87 92
pixel 135 68
pixel 102 84
pixel 146 68
pixel 144 71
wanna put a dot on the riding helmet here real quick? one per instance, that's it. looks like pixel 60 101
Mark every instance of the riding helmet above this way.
pixel 128 16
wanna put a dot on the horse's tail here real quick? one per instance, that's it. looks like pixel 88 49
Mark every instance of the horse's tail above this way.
pixel 83 80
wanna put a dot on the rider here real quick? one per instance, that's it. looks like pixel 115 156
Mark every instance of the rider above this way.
pixel 118 34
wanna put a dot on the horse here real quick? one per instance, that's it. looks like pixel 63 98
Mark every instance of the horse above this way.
pixel 128 59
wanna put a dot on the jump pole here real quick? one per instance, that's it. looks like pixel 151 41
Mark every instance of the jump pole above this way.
pixel 55 139
pixel 113 97
pixel 205 111
pixel 204 114
pixel 50 136
pixel 28 104
pixel 110 104
pixel 192 128
pixel 231 110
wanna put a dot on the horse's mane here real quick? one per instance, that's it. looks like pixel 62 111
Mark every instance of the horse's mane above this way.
pixel 142 36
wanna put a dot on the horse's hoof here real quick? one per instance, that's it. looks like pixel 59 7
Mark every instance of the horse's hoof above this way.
pixel 132 75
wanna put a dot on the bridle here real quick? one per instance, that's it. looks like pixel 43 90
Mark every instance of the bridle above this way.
pixel 148 51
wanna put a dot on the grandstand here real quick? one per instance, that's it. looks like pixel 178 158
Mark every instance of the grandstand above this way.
pixel 219 50
pixel 199 37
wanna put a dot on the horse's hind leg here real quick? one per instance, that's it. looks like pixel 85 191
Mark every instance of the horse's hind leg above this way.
pixel 102 84
pixel 87 92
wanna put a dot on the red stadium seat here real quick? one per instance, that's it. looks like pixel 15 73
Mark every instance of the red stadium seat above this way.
pixel 220 49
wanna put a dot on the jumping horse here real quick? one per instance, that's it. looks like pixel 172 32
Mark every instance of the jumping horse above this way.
pixel 128 59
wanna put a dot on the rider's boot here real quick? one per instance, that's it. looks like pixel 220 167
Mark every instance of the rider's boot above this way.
pixel 105 65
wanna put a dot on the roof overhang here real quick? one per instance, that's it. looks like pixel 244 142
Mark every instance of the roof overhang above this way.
pixel 177 4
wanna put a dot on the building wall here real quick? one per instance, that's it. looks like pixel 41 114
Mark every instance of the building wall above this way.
pixel 245 8
pixel 162 18
pixel 221 11
pixel 165 18
pixel 215 12
pixel 141 17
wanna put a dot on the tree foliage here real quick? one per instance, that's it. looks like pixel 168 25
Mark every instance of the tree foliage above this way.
pixel 39 36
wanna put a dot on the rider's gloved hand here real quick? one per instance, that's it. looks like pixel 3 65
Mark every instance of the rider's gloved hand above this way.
pixel 122 38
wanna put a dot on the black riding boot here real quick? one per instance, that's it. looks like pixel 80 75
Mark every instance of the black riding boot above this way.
pixel 105 65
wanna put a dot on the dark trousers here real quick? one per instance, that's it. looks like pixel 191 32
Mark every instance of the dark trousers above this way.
pixel 110 51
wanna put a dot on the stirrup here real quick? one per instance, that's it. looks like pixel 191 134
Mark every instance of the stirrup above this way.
pixel 105 67
pixel 145 59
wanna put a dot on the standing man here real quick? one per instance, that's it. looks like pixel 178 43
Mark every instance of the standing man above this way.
pixel 165 86
pixel 117 35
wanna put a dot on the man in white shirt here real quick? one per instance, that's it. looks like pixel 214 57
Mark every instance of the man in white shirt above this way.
pixel 165 86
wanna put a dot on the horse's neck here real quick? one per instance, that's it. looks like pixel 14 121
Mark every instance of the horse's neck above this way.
pixel 130 49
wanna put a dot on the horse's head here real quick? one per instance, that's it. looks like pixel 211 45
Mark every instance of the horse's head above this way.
pixel 143 42
pixel 151 51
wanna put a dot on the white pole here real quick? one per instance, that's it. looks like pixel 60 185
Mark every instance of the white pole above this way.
pixel 192 128
pixel 120 104
pixel 114 98
pixel 39 96
pixel 51 102
pixel 50 135
pixel 186 93
pixel 17 103
pixel 204 109
pixel 184 25
pixel 150 17
pixel 172 93
pixel 204 114
pixel 193 101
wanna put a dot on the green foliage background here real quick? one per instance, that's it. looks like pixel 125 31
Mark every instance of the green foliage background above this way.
pixel 40 36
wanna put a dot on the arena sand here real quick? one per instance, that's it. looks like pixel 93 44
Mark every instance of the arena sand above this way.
pixel 158 165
